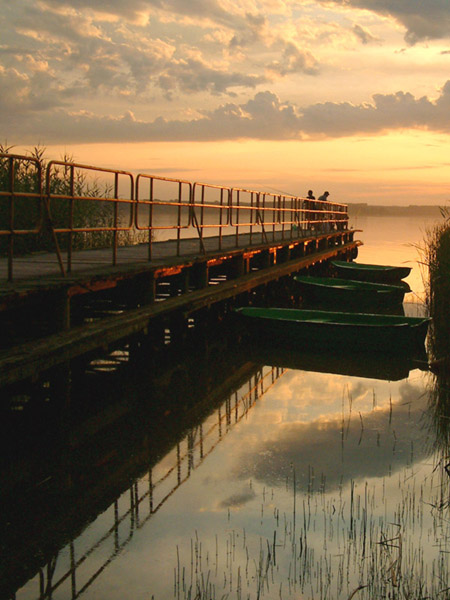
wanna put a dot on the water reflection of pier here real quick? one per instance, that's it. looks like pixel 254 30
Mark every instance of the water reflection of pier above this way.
pixel 77 564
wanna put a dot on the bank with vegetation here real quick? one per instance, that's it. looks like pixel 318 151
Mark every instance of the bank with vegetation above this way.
pixel 437 260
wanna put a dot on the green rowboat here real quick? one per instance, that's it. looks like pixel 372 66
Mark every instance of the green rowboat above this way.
pixel 347 292
pixel 367 272
pixel 336 331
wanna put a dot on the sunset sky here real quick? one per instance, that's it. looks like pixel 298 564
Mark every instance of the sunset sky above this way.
pixel 352 96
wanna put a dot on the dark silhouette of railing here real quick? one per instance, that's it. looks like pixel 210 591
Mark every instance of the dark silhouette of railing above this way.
pixel 77 202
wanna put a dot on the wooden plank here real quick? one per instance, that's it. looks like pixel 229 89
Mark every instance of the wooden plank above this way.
pixel 31 358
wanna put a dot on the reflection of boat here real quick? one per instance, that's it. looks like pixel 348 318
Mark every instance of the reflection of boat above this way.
pixel 330 290
pixel 370 365
pixel 353 331
pixel 367 272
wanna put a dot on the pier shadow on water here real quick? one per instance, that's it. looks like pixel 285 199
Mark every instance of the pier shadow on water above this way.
pixel 66 460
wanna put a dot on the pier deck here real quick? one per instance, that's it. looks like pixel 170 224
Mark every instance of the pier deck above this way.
pixel 30 357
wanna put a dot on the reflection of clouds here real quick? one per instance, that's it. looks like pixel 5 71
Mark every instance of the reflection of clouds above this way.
pixel 237 500
pixel 357 390
pixel 337 449
pixel 303 396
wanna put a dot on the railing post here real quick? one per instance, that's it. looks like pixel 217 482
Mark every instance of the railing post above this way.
pixel 116 218
pixel 150 491
pixel 150 221
pixel 46 200
pixel 70 240
pixel 73 579
pixel 180 194
pixel 11 219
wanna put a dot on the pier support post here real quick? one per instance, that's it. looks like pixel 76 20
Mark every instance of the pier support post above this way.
pixel 199 273
pixel 264 259
pixel 184 281
pixel 61 314
pixel 283 254
pixel 179 283
pixel 141 290
pixel 178 328
pixel 237 267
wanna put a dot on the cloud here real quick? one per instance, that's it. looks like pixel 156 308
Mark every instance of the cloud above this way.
pixel 237 500
pixel 264 116
pixel 69 71
pixel 134 10
pixel 256 118
pixel 139 12
pixel 294 60
pixel 386 112
pixel 363 34
pixel 25 95
pixel 195 75
pixel 423 20
pixel 89 56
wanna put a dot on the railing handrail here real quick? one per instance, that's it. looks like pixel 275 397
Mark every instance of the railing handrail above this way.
pixel 257 211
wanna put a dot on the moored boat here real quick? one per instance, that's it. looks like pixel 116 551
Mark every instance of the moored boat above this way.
pixel 307 329
pixel 368 272
pixel 348 292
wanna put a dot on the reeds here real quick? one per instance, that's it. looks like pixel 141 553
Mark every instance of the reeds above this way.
pixel 66 211
pixel 436 259
pixel 353 544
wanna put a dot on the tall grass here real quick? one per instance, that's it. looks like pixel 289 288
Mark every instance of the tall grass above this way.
pixel 437 261
pixel 436 254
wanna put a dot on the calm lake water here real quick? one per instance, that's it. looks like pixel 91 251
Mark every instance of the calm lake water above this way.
pixel 314 482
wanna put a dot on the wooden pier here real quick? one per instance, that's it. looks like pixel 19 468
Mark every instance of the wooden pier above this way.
pixel 177 255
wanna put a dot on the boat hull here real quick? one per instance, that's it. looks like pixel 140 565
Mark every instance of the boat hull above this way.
pixel 335 331
pixel 368 272
pixel 328 291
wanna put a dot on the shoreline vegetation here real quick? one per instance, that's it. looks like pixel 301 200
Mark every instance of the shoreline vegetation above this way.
pixel 436 258
pixel 27 213
pixel 380 210
pixel 91 221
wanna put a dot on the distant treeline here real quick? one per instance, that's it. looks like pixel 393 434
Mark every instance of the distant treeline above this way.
pixel 378 210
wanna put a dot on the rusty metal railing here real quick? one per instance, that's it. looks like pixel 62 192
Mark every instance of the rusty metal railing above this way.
pixel 76 189
pixel 85 207
pixel 215 199
pixel 15 175
pixel 151 202
pixel 246 212
pixel 323 216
